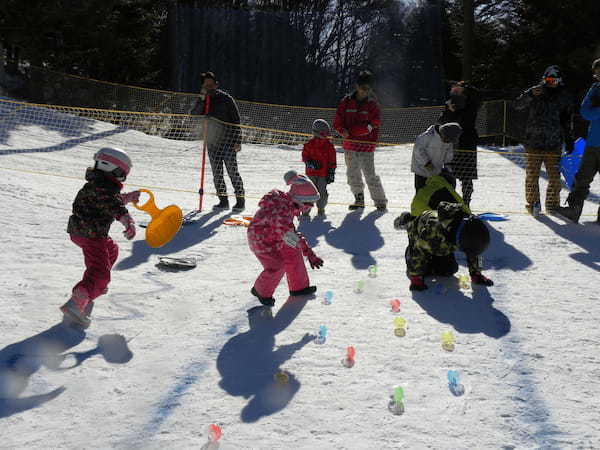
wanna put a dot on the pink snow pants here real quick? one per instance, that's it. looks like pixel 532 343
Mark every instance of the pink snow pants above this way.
pixel 100 255
pixel 289 261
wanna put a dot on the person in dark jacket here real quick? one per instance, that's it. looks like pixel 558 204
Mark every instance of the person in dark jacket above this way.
pixel 549 126
pixel 462 107
pixel 434 236
pixel 590 163
pixel 223 138
pixel 95 208
pixel 357 120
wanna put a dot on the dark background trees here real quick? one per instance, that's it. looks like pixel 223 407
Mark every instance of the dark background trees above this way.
pixel 305 52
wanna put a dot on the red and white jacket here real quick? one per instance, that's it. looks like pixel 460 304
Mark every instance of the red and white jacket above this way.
pixel 361 120
pixel 322 151
pixel 274 218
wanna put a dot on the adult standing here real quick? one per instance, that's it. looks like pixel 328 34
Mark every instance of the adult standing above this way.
pixel 223 138
pixel 590 163
pixel 358 120
pixel 462 108
pixel 548 127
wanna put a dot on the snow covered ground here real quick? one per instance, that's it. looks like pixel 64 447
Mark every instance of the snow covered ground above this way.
pixel 526 348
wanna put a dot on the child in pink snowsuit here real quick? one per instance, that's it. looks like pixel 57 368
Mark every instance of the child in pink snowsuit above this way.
pixel 276 243
pixel 95 208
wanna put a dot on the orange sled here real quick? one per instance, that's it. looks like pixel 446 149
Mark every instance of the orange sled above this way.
pixel 165 222
pixel 238 221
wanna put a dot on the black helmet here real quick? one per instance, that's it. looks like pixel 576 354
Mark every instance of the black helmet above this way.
pixel 472 236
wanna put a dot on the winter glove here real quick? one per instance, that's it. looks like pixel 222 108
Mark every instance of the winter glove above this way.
pixel 314 261
pixel 312 164
pixel 131 197
pixel 479 278
pixel 129 225
pixel 291 239
pixel 417 283
pixel 330 175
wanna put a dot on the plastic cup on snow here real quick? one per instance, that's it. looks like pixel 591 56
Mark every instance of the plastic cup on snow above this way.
pixel 395 305
pixel 322 336
pixel 214 432
pixel 328 298
pixel 400 326
pixel 281 377
pixel 454 383
pixel 448 341
pixel 464 282
pixel 348 361
pixel 396 404
pixel 372 271
pixel 360 286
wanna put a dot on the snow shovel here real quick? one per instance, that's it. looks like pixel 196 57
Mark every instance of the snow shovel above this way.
pixel 165 222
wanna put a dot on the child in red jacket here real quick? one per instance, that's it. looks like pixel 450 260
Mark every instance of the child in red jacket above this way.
pixel 273 238
pixel 95 208
pixel 320 159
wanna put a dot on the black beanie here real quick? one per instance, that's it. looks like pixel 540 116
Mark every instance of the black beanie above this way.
pixel 365 77
pixel 473 236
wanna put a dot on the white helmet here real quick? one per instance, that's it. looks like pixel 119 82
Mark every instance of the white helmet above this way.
pixel 114 161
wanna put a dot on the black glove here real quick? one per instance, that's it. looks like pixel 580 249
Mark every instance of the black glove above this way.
pixel 330 175
pixel 312 164
pixel 569 144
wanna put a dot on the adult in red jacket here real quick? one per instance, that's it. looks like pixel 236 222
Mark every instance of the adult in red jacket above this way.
pixel 358 119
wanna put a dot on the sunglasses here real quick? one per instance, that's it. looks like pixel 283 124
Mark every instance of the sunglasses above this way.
pixel 552 80
pixel 308 204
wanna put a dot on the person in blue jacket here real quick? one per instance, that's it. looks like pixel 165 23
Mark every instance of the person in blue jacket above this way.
pixel 590 163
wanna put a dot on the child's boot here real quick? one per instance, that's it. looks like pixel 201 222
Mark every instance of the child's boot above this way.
pixel 267 301
pixel 78 309
pixel 417 283
pixel 306 291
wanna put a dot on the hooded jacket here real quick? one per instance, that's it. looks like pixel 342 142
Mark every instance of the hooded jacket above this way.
pixel 549 115
pixel 97 204
pixel 362 121
pixel 430 149
pixel 274 218
pixel 433 233
pixel 590 110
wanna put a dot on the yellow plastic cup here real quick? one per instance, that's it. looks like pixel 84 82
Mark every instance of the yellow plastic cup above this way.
pixel 165 222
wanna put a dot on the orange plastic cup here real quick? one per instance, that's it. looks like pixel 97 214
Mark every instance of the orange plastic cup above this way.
pixel 165 222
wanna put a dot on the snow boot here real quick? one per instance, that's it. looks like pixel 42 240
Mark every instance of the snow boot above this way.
pixel 306 291
pixel 359 202
pixel 223 203
pixel 240 205
pixel 381 207
pixel 571 212
pixel 78 309
pixel 267 301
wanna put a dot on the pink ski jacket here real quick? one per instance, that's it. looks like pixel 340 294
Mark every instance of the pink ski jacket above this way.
pixel 274 218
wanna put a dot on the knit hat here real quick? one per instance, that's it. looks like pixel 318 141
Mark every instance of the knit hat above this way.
pixel 321 128
pixel 450 132
pixel 302 189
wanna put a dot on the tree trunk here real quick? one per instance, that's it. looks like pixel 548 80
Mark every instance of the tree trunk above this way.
pixel 468 25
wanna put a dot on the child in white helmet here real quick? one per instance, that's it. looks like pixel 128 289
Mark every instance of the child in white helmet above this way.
pixel 95 208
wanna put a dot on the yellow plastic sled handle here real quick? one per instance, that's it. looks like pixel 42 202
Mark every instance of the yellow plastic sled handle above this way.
pixel 165 222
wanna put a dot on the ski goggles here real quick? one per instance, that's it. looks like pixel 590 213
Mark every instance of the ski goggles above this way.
pixel 552 81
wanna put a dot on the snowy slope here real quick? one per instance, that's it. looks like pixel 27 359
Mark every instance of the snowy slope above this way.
pixel 526 347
